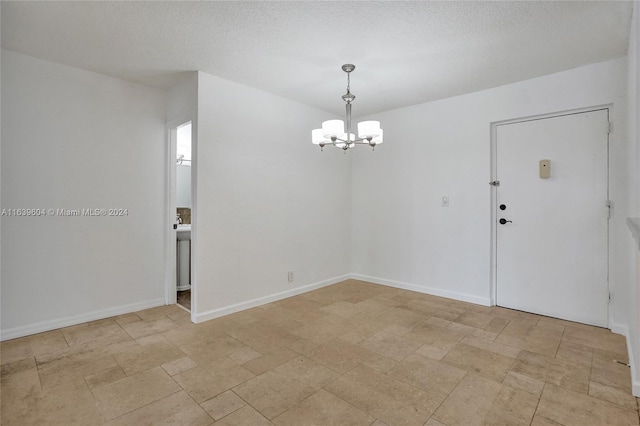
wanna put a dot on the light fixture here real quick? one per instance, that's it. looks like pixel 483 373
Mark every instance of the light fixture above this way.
pixel 332 131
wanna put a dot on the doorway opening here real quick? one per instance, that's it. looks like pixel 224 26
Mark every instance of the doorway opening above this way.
pixel 183 215
pixel 178 288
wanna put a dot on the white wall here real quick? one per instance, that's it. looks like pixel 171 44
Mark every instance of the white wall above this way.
pixel 401 234
pixel 75 139
pixel 268 201
pixel 632 295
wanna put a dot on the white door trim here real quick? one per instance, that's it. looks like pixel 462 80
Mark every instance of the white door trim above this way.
pixel 493 198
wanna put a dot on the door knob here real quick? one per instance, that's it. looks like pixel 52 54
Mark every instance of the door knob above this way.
pixel 504 221
pixel 503 206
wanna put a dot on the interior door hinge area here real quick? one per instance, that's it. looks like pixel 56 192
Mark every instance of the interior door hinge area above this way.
pixel 494 183
pixel 608 204
pixel 610 127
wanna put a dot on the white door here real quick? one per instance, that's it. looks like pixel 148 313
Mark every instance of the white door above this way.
pixel 551 250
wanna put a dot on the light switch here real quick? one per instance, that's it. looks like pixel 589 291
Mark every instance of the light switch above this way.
pixel 445 201
pixel 545 169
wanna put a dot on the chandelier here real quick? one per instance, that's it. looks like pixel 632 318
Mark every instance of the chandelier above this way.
pixel 333 131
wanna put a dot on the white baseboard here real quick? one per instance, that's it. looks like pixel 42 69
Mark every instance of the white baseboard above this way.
pixel 464 297
pixel 13 333
pixel 635 380
pixel 226 310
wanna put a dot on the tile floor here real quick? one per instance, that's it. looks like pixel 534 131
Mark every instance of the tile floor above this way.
pixel 184 299
pixel 350 354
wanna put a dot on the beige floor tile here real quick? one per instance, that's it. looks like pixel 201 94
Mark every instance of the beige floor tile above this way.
pixel 105 377
pixel 279 389
pixel 403 317
pixel 339 355
pixel 435 310
pixel 15 350
pixel 524 383
pixel 208 351
pixel 544 341
pixel 301 346
pixel 223 405
pixel 615 395
pixel 151 326
pixel 48 343
pixel 127 319
pixel 148 352
pixel 552 323
pixel 323 408
pixel 515 333
pixel 479 361
pixel 67 404
pixel 488 345
pixel 433 376
pixel 320 332
pixel 179 365
pixel 172 410
pixel 432 352
pixel 469 402
pixel 343 309
pixel 151 339
pixel 570 408
pixel 263 338
pixel 472 331
pixel 269 361
pixel 387 398
pixel 203 384
pixel 18 381
pixel 72 368
pixel 180 316
pixel 352 337
pixel 390 355
pixel 611 356
pixel 88 332
pixel 159 311
pixel 553 370
pixel 111 345
pixel 611 374
pixel 380 363
pixel 475 319
pixel 133 392
pixel 596 338
pixel 142 358
pixel 246 416
pixel 497 325
pixel 391 345
pixel 512 407
pixel 189 333
pixel 367 323
pixel 433 422
pixel 431 333
pixel 244 355
pixel 578 354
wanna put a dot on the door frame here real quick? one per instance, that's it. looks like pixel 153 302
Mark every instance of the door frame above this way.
pixel 493 278
pixel 170 270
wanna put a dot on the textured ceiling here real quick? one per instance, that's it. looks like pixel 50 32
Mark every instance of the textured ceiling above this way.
pixel 405 52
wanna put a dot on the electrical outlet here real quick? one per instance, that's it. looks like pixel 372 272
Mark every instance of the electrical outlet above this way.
pixel 290 276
